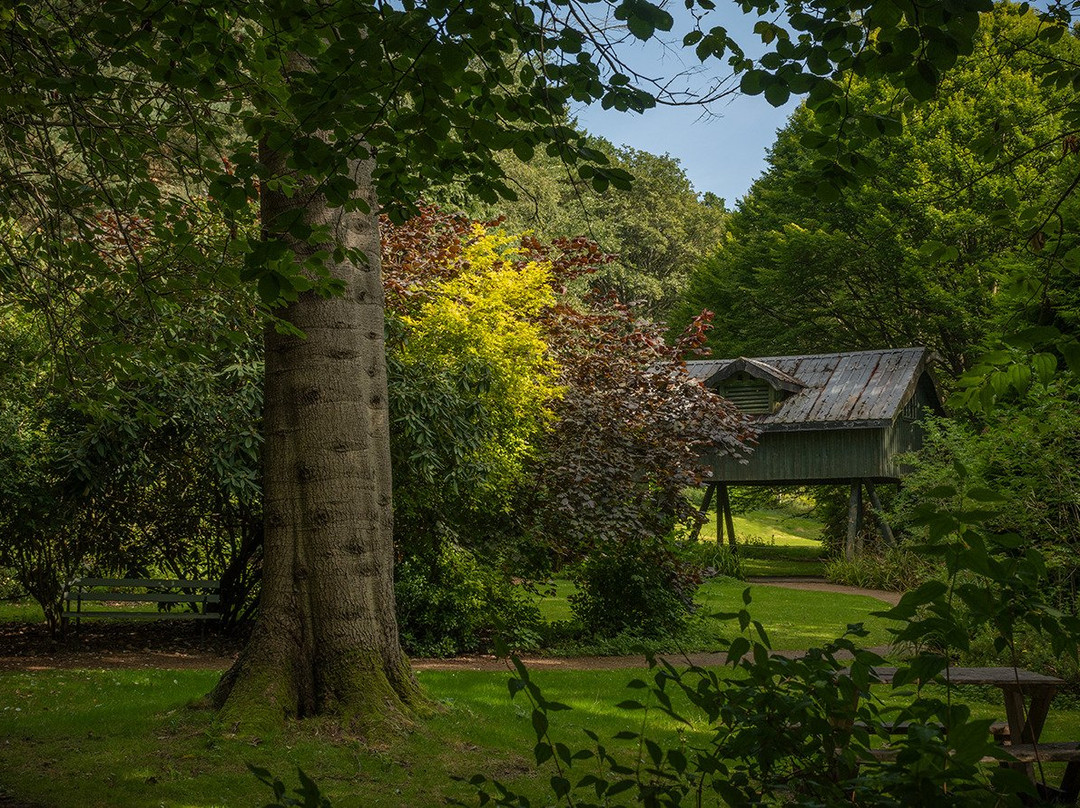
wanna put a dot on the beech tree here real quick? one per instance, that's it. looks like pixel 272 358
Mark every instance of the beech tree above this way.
pixel 658 230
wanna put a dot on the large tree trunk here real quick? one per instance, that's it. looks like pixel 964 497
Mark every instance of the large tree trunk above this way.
pixel 326 640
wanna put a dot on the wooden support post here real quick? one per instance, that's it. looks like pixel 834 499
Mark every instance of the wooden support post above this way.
pixel 720 513
pixel 879 512
pixel 725 507
pixel 854 519
pixel 860 523
pixel 703 510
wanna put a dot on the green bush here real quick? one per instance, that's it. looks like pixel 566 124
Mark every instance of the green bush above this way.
pixel 1021 470
pixel 449 602
pixel 9 587
pixel 780 732
pixel 713 559
pixel 639 587
pixel 897 569
pixel 1030 650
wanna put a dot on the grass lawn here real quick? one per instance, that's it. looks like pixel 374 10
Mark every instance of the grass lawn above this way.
pixel 28 611
pixel 20 611
pixel 781 561
pixel 126 739
pixel 772 526
pixel 782 568
pixel 775 542
pixel 795 619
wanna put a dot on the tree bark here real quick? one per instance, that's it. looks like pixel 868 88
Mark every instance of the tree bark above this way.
pixel 325 641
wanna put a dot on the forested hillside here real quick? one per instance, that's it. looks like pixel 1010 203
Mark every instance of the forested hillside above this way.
pixel 932 248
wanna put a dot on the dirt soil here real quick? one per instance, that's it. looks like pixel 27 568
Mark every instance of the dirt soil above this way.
pixel 144 644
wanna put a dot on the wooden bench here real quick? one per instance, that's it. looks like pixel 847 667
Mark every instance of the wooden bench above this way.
pixel 195 595
pixel 999 729
pixel 1025 753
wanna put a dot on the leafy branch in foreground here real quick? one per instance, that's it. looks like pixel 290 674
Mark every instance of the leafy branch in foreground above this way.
pixel 802 731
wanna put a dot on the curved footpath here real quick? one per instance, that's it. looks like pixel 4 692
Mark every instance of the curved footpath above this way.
pixel 818 585
pixel 201 660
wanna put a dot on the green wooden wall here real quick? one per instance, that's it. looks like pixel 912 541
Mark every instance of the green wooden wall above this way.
pixel 824 454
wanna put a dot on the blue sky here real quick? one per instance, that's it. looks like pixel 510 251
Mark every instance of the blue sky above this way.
pixel 723 155
pixel 723 152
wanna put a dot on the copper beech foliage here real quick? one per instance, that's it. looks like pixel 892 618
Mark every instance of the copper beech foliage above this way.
pixel 631 427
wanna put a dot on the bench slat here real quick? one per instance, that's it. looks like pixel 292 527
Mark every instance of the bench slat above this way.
pixel 191 592
pixel 150 597
pixel 148 583
pixel 1053 752
pixel 148 615
pixel 1056 752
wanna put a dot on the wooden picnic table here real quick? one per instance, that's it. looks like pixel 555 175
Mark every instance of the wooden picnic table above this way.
pixel 1027 698
pixel 1016 684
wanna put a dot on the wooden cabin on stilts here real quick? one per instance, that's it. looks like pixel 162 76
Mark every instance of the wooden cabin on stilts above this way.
pixel 824 419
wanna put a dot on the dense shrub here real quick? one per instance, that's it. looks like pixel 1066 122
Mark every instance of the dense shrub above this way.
pixel 1021 473
pixel 1029 649
pixel 831 508
pixel 713 559
pixel 779 732
pixel 450 602
pixel 896 569
pixel 637 587
pixel 9 587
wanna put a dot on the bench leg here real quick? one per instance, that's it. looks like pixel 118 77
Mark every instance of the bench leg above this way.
pixel 1070 783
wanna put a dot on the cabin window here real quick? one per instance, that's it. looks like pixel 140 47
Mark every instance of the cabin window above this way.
pixel 752 396
pixel 911 409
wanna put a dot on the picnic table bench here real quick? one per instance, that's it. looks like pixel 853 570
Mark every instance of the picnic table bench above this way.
pixel 196 595
pixel 1027 696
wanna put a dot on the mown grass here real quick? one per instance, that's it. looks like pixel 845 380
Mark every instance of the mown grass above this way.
pixel 26 610
pixel 761 560
pixel 775 542
pixel 127 739
pixel 782 527
pixel 782 568
pixel 797 619
pixel 20 611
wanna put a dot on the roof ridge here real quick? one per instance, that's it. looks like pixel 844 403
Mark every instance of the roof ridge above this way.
pixel 766 359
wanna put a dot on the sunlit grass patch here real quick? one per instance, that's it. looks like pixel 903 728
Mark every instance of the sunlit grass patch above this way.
pixel 20 611
pixel 128 738
pixel 797 619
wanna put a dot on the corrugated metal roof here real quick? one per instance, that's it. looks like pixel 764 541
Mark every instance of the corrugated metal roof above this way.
pixel 758 369
pixel 842 390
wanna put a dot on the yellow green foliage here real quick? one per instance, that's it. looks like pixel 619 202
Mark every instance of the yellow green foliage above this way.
pixel 484 320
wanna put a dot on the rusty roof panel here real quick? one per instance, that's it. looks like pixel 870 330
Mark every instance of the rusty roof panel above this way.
pixel 851 389
pixel 877 388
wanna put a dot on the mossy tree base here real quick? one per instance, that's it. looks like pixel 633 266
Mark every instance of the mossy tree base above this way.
pixel 364 691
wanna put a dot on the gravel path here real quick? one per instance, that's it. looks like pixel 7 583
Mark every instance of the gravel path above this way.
pixel 818 585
